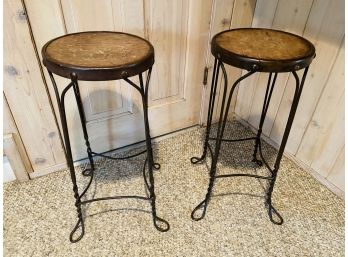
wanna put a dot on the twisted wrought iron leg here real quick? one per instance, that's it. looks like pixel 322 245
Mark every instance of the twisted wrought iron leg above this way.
pixel 266 102
pixel 296 99
pixel 87 171
pixel 221 127
pixel 150 161
pixel 69 158
pixel 214 81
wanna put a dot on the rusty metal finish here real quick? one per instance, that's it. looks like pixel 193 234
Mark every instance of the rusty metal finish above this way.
pixel 264 50
pixel 98 55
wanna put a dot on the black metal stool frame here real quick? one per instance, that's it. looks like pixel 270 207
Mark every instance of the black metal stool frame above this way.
pixel 149 162
pixel 218 64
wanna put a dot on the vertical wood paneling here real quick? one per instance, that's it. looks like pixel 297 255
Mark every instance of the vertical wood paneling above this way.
pixel 129 16
pixel 11 129
pixel 327 40
pixel 26 93
pixel 167 31
pixel 337 172
pixel 330 145
pixel 264 13
pixel 13 154
pixel 197 27
pixel 243 13
pixel 326 112
pixel 198 38
pixel 54 26
pixel 85 15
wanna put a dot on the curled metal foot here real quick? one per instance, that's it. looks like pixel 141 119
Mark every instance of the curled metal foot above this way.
pixel 77 226
pixel 87 172
pixel 258 162
pixel 195 160
pixel 156 166
pixel 271 212
pixel 201 205
pixel 165 225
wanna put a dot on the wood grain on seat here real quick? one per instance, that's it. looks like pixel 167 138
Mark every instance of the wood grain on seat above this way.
pixel 263 47
pixel 104 55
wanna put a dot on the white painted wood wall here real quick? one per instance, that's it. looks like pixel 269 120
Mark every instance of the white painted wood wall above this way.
pixel 317 138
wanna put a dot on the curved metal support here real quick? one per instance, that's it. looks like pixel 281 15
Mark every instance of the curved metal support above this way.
pixel 88 173
pixel 296 99
pixel 266 102
pixel 147 81
pixel 151 164
pixel 83 123
pixel 156 166
pixel 157 221
pixel 234 140
pixel 220 132
pixel 264 160
pixel 271 211
pixel 67 149
pixel 72 170
pixel 201 206
pixel 118 158
pixel 215 77
pixel 144 175
pixel 56 93
pixel 134 85
pixel 243 175
pixel 118 197
pixel 80 223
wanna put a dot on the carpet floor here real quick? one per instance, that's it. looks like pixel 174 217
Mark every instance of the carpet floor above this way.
pixel 39 214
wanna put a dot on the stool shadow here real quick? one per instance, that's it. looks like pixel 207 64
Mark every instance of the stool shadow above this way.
pixel 236 157
pixel 109 171
pixel 119 210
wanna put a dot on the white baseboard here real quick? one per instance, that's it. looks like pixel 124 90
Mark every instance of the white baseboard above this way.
pixel 8 174
pixel 48 170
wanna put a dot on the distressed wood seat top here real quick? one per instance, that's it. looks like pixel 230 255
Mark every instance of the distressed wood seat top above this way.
pixel 98 55
pixel 263 49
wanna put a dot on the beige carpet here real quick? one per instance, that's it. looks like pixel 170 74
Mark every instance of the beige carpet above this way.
pixel 39 215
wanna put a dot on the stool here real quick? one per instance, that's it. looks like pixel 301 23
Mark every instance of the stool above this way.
pixel 100 56
pixel 254 50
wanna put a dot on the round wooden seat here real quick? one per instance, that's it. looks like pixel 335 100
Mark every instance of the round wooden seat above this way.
pixel 98 55
pixel 264 50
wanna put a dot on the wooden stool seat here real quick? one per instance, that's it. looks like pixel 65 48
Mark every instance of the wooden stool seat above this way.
pixel 263 50
pixel 98 55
